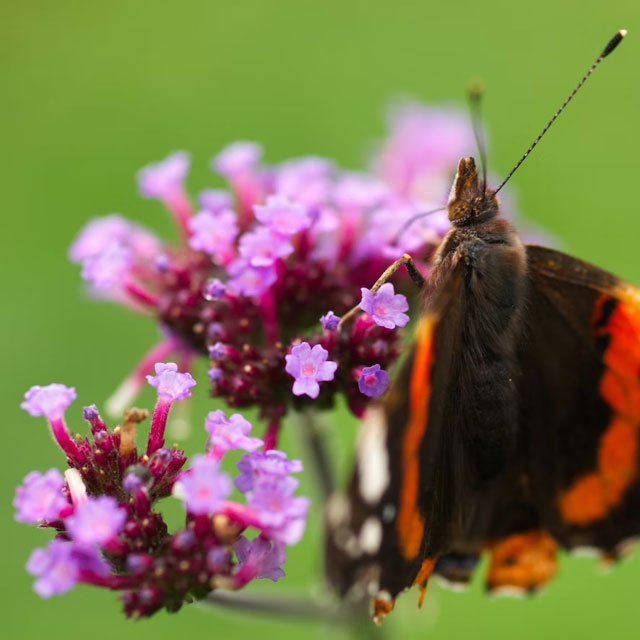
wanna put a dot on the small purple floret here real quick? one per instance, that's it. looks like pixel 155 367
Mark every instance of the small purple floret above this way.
pixel 215 200
pixel 107 269
pixel 248 280
pixel 373 381
pixel 283 215
pixel 57 566
pixel 260 558
pixel 330 321
pixel 96 521
pixel 229 433
pixel 98 234
pixel 170 383
pixel 262 246
pixel 213 289
pixel 203 487
pixel 214 233
pixel 50 401
pixel 237 158
pixel 385 306
pixel 40 497
pixel 309 367
pixel 160 180
pixel 258 465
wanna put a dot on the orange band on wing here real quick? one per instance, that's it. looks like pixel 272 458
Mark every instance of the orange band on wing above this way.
pixel 594 495
pixel 410 523
pixel 426 569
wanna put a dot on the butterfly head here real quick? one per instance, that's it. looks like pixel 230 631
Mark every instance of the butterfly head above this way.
pixel 470 202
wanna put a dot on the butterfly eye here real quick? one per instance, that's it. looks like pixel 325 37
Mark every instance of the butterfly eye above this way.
pixel 459 210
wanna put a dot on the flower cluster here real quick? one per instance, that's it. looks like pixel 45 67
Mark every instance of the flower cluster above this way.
pixel 265 269
pixel 103 509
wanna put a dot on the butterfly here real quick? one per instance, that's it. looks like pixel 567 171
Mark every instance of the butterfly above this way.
pixel 513 427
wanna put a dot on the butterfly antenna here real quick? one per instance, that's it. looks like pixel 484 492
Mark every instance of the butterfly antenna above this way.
pixel 475 102
pixel 611 45
pixel 413 219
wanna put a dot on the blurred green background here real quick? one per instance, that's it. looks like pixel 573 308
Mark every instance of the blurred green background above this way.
pixel 94 90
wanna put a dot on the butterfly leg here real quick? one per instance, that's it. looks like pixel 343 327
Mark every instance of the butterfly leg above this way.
pixel 522 562
pixel 404 260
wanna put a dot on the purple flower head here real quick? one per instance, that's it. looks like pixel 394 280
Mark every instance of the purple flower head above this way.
pixel 96 521
pixel 215 200
pixel 107 269
pixel 248 280
pixel 330 321
pixel 213 289
pixel 373 381
pixel 385 306
pixel 262 246
pixel 58 566
pixel 40 497
pixel 214 233
pixel 218 351
pixel 162 179
pixel 90 413
pixel 170 383
pixel 203 487
pixel 229 433
pixel 283 215
pixel 260 558
pixel 281 515
pixel 237 158
pixel 305 180
pixel 309 367
pixel 98 234
pixel 355 191
pixel 50 401
pixel 258 465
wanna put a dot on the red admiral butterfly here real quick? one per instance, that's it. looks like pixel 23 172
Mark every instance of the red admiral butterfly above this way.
pixel 513 427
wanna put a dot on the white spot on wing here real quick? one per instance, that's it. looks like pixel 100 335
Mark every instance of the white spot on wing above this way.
pixel 373 459
pixel 370 535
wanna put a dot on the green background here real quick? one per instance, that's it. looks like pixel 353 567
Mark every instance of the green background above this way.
pixel 94 90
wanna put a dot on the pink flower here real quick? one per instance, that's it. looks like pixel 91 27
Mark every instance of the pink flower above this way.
pixel 309 367
pixel 203 487
pixel 385 306
pixel 96 521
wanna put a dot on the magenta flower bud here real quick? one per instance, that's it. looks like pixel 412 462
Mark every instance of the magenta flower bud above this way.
pixel 309 367
pixel 283 216
pixel 237 158
pixel 50 401
pixel 258 465
pixel 330 321
pixel 214 233
pixel 373 381
pixel 229 433
pixel 261 247
pixel 203 487
pixel 213 289
pixel 96 521
pixel 170 383
pixel 385 306
pixel 259 558
pixel 58 567
pixel 40 497
pixel 218 560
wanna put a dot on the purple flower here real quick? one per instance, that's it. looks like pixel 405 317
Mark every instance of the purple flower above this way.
pixel 96 521
pixel 229 433
pixel 330 321
pixel 237 158
pixel 214 374
pixel 214 233
pixel 262 246
pixel 97 234
pixel 258 465
pixel 162 179
pixel 309 367
pixel 170 383
pixel 283 215
pixel 40 497
pixel 304 180
pixel 58 566
pixel 203 487
pixel 107 269
pixel 50 401
pixel 213 289
pixel 355 191
pixel 260 558
pixel 281 515
pixel 132 482
pixel 385 306
pixel 373 381
pixel 215 200
pixel 250 281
